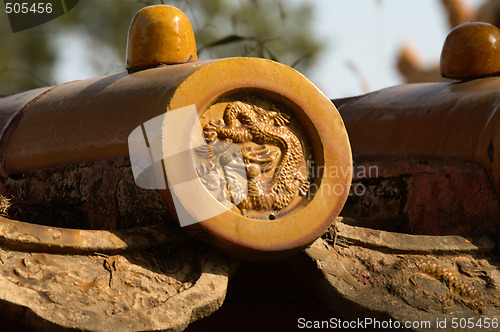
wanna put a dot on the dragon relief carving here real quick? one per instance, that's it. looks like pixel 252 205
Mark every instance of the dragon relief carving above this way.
pixel 271 163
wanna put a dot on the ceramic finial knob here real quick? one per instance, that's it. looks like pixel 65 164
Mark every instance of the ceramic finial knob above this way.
pixel 158 35
pixel 471 50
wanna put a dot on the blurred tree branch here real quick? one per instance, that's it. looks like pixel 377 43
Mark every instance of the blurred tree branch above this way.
pixel 409 62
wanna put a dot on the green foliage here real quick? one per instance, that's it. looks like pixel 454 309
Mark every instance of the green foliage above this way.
pixel 275 30
pixel 25 59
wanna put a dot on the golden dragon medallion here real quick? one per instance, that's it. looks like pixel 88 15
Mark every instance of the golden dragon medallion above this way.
pixel 272 155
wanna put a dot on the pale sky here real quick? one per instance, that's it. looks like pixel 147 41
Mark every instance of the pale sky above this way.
pixel 362 39
pixel 368 34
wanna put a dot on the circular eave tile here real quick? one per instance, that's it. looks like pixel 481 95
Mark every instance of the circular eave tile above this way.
pixel 271 92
